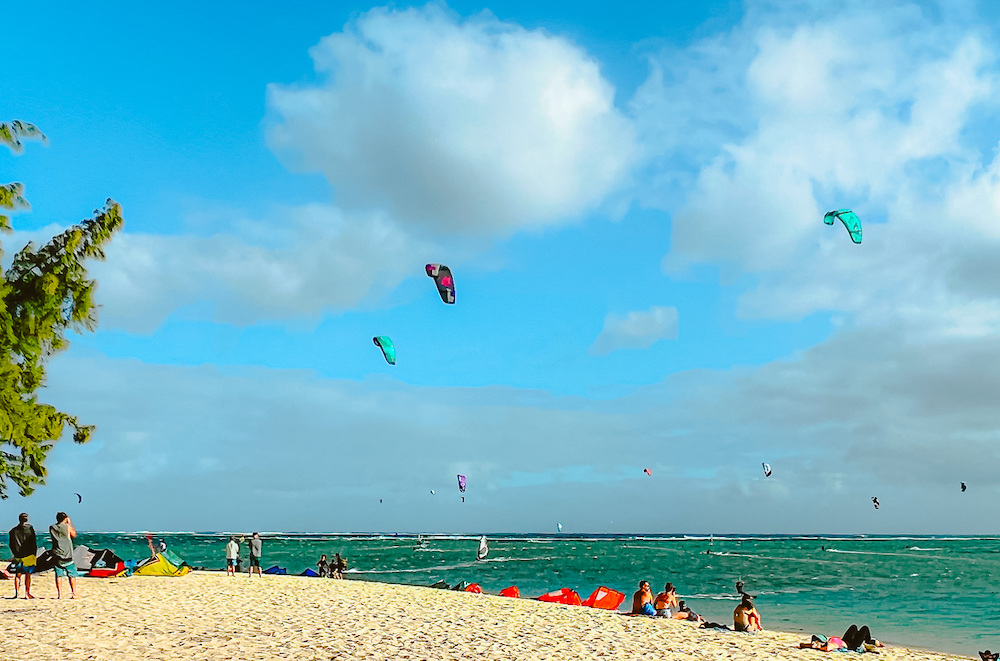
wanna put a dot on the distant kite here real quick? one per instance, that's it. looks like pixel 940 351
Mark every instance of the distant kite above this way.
pixel 387 347
pixel 963 487
pixel 875 502
pixel 647 472
pixel 850 220
pixel 558 527
pixel 461 486
pixel 79 498
pixel 379 501
pixel 767 469
pixel 444 281
pixel 432 492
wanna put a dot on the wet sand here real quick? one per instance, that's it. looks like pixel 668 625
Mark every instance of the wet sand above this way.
pixel 207 615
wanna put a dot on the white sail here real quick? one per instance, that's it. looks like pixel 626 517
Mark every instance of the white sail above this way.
pixel 484 549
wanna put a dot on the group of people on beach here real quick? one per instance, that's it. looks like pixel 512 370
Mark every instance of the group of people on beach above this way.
pixel 26 561
pixel 745 618
pixel 666 604
pixel 331 569
pixel 234 563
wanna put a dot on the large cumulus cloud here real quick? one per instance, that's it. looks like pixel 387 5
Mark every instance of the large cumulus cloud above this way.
pixel 476 126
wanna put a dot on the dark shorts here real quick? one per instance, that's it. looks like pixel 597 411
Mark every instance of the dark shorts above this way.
pixel 254 561
pixel 230 562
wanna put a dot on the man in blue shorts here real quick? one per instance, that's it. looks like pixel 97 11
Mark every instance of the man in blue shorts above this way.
pixel 23 546
pixel 62 534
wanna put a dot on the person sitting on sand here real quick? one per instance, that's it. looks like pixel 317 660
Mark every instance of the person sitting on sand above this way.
pixel 666 602
pixel 853 639
pixel 642 600
pixel 685 613
pixel 323 567
pixel 745 616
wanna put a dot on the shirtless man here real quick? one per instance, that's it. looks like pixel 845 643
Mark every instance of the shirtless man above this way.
pixel 745 616
pixel 642 600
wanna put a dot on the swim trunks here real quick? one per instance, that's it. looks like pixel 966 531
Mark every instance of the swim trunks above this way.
pixel 67 569
pixel 25 565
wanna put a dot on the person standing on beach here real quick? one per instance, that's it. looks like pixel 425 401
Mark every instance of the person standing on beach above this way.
pixel 323 566
pixel 23 545
pixel 232 555
pixel 255 550
pixel 62 533
pixel 338 567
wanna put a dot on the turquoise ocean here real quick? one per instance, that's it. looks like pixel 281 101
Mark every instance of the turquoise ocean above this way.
pixel 939 593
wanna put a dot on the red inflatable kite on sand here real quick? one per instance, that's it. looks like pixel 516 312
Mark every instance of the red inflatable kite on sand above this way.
pixel 563 596
pixel 606 598
pixel 512 591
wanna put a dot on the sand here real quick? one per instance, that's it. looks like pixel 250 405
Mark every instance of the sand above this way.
pixel 207 615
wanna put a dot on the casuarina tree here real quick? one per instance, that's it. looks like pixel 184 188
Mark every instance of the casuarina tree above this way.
pixel 43 293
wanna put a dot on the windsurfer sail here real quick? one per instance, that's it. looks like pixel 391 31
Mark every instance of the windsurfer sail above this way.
pixel 484 549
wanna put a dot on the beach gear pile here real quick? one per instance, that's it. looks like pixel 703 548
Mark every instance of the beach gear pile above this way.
pixel 164 563
pixel 603 597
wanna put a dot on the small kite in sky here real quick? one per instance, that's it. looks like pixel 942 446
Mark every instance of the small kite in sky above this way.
pixel 850 220
pixel 647 472
pixel 387 347
pixel 79 498
pixel 444 281
pixel 767 469
pixel 875 502
pixel 432 492
pixel 558 527
pixel 379 501
pixel 963 487
pixel 461 486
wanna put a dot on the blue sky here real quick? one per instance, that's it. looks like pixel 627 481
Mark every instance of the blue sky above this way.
pixel 631 201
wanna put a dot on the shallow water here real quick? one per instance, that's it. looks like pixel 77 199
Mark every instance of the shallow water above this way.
pixel 937 593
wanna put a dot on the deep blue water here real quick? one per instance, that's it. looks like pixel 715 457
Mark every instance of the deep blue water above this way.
pixel 938 593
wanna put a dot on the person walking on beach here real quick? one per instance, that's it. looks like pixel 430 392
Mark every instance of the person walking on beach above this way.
pixel 23 545
pixel 232 555
pixel 255 550
pixel 323 566
pixel 745 616
pixel 338 567
pixel 642 600
pixel 62 533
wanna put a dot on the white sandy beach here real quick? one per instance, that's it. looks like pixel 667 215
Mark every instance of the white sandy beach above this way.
pixel 208 615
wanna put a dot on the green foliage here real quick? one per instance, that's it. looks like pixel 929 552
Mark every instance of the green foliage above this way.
pixel 44 293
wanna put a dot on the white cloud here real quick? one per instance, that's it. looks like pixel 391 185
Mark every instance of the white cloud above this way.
pixel 815 123
pixel 303 261
pixel 475 126
pixel 636 330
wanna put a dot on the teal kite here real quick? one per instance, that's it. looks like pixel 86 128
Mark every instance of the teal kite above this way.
pixel 850 220
pixel 387 347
